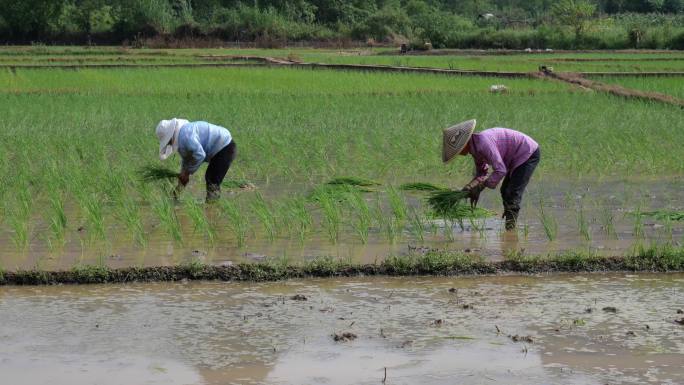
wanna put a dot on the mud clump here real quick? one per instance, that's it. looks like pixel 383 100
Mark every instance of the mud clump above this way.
pixel 467 306
pixel 438 322
pixel 453 290
pixel 610 309
pixel 299 297
pixel 679 321
pixel 517 338
pixel 344 337
pixel 680 311
pixel 630 334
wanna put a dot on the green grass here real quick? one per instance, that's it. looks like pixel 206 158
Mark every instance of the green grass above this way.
pixel 659 259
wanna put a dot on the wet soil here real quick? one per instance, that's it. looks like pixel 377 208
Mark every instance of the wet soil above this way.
pixel 235 333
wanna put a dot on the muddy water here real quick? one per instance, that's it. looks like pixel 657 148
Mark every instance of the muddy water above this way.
pixel 562 202
pixel 223 333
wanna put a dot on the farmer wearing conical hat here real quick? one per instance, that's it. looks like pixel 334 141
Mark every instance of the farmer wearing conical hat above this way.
pixel 198 142
pixel 509 154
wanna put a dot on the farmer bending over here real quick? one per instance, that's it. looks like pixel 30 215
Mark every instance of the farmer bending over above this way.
pixel 510 154
pixel 198 142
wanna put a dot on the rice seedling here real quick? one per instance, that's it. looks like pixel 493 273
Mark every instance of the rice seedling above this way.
pixel 196 213
pixel 638 225
pixel 417 224
pixel 353 181
pixel 582 223
pixel 361 213
pixel 238 222
pixel 265 216
pixel 397 204
pixel 238 184
pixel 548 221
pixel 299 219
pixel 154 173
pixel 57 219
pixel 166 213
pixel 93 209
pixel 448 203
pixel 421 186
pixel 607 219
pixel 129 213
pixel 671 215
pixel 331 215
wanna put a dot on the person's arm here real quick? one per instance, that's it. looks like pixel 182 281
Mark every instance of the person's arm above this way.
pixel 192 157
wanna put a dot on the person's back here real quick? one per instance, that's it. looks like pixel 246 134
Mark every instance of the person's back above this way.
pixel 196 138
pixel 514 147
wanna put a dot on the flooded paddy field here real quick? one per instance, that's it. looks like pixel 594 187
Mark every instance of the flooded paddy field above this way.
pixel 73 142
pixel 560 329
pixel 558 217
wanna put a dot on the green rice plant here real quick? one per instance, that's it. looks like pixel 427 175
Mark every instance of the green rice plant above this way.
pixel 92 207
pixel 265 216
pixel 353 181
pixel 638 225
pixel 162 206
pixel 331 215
pixel 361 214
pixel 386 222
pixel 298 218
pixel 238 222
pixel 671 215
pixel 199 220
pixel 417 224
pixel 397 204
pixel 153 173
pixel 582 223
pixel 607 219
pixel 129 213
pixel 19 223
pixel 237 184
pixel 57 218
pixel 421 186
pixel 448 203
pixel 548 222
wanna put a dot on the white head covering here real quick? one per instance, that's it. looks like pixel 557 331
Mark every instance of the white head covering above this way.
pixel 166 130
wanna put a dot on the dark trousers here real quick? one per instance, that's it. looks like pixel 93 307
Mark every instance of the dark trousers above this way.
pixel 513 187
pixel 219 165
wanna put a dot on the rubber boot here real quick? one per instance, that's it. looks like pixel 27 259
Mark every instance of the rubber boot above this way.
pixel 213 192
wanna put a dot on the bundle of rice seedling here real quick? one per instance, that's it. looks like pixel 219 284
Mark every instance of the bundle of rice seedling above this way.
pixel 664 215
pixel 153 173
pixel 421 186
pixel 241 184
pixel 353 181
pixel 447 202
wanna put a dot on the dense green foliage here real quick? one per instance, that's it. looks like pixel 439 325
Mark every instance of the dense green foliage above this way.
pixel 442 23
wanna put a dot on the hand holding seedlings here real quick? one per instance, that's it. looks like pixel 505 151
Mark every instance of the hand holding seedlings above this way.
pixel 512 156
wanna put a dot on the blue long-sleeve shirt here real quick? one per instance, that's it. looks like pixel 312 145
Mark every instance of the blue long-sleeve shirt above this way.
pixel 199 141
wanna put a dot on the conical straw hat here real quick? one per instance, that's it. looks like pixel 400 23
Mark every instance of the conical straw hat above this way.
pixel 455 139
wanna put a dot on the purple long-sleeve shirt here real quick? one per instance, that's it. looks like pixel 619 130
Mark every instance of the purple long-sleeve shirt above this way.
pixel 503 150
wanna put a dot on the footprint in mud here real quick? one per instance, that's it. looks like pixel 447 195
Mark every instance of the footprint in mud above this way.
pixel 344 337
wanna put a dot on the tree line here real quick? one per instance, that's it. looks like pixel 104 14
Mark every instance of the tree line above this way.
pixel 418 23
